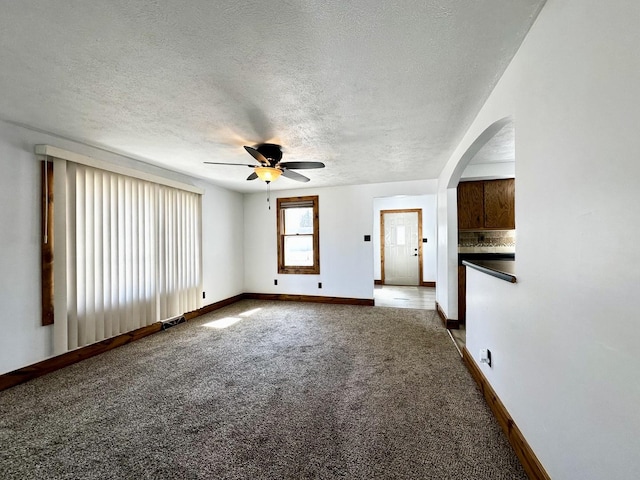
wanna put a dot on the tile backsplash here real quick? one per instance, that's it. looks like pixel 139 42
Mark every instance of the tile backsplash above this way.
pixel 487 241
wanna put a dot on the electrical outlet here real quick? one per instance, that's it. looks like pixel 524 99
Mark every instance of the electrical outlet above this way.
pixel 275 281
pixel 485 356
pixel 203 295
pixel 319 284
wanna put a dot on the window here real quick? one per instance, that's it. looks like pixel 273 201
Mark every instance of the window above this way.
pixel 127 249
pixel 298 235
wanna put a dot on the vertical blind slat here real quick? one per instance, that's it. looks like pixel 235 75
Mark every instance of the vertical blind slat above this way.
pixel 113 256
pixel 122 277
pixel 98 265
pixel 72 253
pixel 133 261
pixel 106 254
pixel 82 254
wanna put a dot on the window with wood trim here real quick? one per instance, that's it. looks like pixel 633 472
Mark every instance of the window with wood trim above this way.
pixel 298 235
pixel 127 252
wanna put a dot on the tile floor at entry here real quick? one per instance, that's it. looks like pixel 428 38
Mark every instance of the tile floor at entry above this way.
pixel 405 297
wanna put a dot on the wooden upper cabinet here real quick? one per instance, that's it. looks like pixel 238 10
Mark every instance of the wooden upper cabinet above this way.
pixel 499 204
pixel 488 204
pixel 470 205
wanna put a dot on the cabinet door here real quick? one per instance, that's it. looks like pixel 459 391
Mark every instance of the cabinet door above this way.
pixel 499 204
pixel 470 205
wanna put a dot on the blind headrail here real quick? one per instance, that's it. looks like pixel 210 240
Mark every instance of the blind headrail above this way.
pixel 55 152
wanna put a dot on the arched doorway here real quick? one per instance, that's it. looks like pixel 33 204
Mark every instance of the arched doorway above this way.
pixel 484 158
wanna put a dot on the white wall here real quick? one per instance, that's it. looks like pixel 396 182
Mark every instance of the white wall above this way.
pixel 23 340
pixel 486 171
pixel 565 337
pixel 222 243
pixel 447 253
pixel 428 205
pixel 346 260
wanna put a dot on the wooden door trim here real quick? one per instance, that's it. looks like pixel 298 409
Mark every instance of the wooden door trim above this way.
pixel 420 262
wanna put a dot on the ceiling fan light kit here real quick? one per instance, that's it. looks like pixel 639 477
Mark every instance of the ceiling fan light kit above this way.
pixel 267 174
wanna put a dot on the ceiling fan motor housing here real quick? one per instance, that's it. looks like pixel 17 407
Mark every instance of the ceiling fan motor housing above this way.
pixel 271 151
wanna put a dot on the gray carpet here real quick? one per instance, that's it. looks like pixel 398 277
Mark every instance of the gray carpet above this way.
pixel 292 391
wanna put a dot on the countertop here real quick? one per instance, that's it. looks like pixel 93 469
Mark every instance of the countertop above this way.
pixel 484 256
pixel 502 269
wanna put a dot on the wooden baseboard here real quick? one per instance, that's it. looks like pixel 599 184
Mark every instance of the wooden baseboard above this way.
pixel 377 282
pixel 527 457
pixel 449 323
pixel 49 365
pixel 310 298
pixel 214 306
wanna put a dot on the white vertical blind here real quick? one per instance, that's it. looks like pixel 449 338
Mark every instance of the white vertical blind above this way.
pixel 60 267
pixel 133 253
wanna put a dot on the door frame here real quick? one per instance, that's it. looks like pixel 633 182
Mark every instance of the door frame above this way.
pixel 405 210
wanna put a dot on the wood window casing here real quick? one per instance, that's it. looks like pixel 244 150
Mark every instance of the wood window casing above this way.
pixel 46 243
pixel 298 202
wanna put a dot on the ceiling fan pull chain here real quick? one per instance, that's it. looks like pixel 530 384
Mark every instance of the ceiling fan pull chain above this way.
pixel 269 194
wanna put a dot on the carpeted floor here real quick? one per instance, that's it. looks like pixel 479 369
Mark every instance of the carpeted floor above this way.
pixel 286 391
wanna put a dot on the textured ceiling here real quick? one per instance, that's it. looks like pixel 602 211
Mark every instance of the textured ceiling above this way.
pixel 501 148
pixel 378 91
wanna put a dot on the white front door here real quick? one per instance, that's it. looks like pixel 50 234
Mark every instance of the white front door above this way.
pixel 401 248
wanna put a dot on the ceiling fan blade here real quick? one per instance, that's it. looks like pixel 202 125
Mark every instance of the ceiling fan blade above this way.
pixel 236 164
pixel 257 155
pixel 294 176
pixel 302 165
pixel 253 176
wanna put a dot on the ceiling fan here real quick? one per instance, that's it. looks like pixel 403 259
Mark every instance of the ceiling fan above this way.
pixel 270 167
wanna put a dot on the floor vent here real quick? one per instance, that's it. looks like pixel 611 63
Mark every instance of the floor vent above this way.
pixel 170 322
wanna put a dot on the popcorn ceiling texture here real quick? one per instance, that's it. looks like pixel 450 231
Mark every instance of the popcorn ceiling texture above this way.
pixel 379 91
